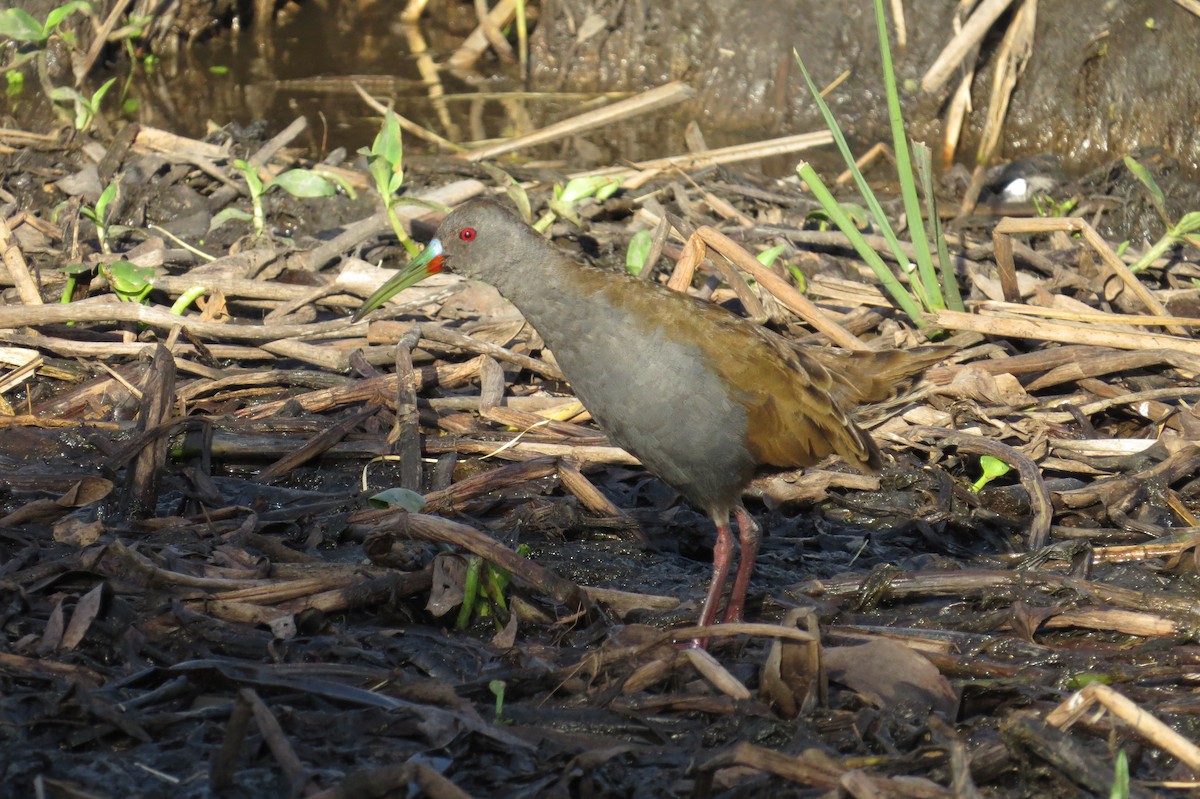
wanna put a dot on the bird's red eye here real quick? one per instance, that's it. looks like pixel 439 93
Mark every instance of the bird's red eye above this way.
pixel 467 234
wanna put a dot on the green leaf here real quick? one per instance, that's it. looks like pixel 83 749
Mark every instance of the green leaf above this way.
pixel 402 498
pixel 19 24
pixel 128 278
pixel 1120 785
pixel 230 213
pixel 582 188
pixel 800 278
pixel 76 269
pixel 394 184
pixel 1086 678
pixel 769 255
pixel 1141 173
pixel 303 183
pixel 991 468
pixel 106 197
pixel 638 252
pixel 388 143
pixel 61 93
pixel 253 181
pixel 608 190
pixel 381 173
pixel 1188 225
pixel 99 95
pixel 57 15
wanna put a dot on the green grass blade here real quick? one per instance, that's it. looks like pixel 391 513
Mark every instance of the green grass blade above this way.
pixel 881 220
pixel 821 192
pixel 924 163
pixel 904 171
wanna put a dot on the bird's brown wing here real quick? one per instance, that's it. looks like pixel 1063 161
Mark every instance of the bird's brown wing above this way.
pixel 794 416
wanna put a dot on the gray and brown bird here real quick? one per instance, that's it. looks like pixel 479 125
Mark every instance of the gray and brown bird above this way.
pixel 703 397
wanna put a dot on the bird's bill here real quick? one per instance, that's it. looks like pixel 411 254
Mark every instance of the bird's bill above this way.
pixel 429 262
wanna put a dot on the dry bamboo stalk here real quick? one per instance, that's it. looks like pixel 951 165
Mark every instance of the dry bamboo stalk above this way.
pixel 646 102
pixel 1007 226
pixel 956 49
pixel 383 386
pixel 721 155
pixel 1064 332
pixel 70 348
pixel 1190 5
pixel 1012 58
pixel 17 268
pixel 1090 316
pixel 716 674
pixel 112 311
pixel 1143 723
pixel 477 41
pixel 778 287
pixel 532 449
pixel 177 148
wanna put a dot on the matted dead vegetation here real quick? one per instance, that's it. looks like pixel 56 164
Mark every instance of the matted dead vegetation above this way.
pixel 187 547
pixel 199 600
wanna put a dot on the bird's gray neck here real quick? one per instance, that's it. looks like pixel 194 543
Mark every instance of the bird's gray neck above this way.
pixel 558 297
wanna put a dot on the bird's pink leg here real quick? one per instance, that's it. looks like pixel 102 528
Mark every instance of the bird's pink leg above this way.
pixel 722 552
pixel 750 535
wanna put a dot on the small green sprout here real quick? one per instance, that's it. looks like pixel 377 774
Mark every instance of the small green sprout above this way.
pixel 187 298
pixel 100 212
pixel 130 282
pixel 72 271
pixel 470 604
pixel 860 216
pixel 483 590
pixel 770 255
pixel 567 199
pixel 1120 785
pixel 304 183
pixel 1047 206
pixel 86 108
pixel 638 251
pixel 497 688
pixel 991 468
pixel 1182 231
pixel 385 163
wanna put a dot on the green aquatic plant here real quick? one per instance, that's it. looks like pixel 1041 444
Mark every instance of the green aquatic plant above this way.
pixel 385 164
pixel 929 290
pixel 303 183
pixel 99 213
pixel 1176 233
pixel 567 199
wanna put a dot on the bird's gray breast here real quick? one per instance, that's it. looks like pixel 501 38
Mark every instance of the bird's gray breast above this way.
pixel 652 393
